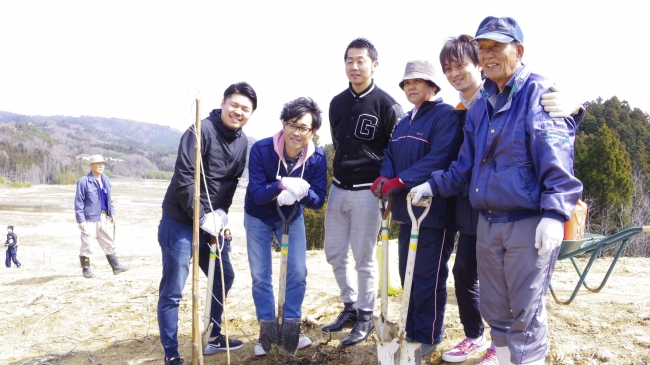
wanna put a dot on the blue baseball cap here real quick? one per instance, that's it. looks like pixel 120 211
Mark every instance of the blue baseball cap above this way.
pixel 503 30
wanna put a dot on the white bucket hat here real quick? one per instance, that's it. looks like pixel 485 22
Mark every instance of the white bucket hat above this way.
pixel 419 70
pixel 95 158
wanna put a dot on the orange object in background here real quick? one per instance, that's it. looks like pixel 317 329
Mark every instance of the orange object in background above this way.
pixel 574 229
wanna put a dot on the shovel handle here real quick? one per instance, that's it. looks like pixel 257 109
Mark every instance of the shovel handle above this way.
pixel 284 250
pixel 208 295
pixel 410 263
pixel 385 215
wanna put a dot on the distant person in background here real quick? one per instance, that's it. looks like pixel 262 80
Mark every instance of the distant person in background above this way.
pixel 223 154
pixel 95 214
pixel 286 169
pixel 12 248
pixel 227 239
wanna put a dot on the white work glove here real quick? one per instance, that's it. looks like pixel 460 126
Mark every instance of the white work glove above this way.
pixel 421 190
pixel 296 186
pixel 212 224
pixel 548 235
pixel 222 214
pixel 556 107
pixel 286 198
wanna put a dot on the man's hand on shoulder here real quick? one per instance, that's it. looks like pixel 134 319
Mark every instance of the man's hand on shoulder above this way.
pixel 558 105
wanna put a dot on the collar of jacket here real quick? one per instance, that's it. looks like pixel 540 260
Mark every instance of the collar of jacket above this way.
pixel 365 92
pixel 426 106
pixel 92 179
pixel 229 134
pixel 278 146
pixel 490 87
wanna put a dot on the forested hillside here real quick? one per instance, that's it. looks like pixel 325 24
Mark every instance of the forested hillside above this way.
pixel 38 149
pixel 612 159
pixel 50 150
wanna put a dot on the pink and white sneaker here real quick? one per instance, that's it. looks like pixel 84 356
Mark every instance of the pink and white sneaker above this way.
pixel 490 358
pixel 464 349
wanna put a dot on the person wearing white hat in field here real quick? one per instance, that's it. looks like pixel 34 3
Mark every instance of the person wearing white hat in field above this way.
pixel 95 213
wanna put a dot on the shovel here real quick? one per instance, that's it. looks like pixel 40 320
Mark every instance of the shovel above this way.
pixel 281 337
pixel 398 351
pixel 384 329
pixel 207 314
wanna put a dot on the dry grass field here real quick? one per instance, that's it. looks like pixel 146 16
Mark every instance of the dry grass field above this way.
pixel 50 314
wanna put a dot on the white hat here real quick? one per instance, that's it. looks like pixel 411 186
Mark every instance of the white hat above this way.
pixel 95 158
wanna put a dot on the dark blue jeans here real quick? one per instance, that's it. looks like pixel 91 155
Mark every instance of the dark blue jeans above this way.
pixel 175 239
pixel 426 315
pixel 466 285
pixel 11 255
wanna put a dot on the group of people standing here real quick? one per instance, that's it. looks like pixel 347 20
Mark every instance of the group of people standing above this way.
pixel 499 167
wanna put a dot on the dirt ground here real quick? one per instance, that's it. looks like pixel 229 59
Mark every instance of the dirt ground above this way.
pixel 50 314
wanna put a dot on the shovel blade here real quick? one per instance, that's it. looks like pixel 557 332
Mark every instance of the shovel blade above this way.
pixel 206 336
pixel 410 353
pixel 269 334
pixel 289 337
pixel 384 329
pixel 396 353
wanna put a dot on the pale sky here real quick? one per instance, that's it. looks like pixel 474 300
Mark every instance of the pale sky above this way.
pixel 148 60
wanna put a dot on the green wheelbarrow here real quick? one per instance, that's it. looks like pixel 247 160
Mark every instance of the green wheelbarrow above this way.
pixel 591 245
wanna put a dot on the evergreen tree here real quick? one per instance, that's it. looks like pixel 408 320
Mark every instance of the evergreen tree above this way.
pixel 603 166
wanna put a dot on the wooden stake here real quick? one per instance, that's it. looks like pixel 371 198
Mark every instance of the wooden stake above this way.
pixel 197 347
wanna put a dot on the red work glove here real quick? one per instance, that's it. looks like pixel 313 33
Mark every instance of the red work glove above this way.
pixel 390 186
pixel 375 188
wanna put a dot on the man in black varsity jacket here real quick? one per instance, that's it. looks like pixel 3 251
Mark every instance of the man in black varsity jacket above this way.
pixel 362 118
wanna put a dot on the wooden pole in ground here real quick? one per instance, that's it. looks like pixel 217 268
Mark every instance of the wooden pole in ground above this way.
pixel 197 347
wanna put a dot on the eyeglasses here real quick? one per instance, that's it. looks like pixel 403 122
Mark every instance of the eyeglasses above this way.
pixel 292 128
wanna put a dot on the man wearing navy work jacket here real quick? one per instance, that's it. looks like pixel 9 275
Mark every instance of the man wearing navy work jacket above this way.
pixel 518 163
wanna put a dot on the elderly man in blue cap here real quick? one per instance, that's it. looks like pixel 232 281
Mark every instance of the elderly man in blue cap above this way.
pixel 517 163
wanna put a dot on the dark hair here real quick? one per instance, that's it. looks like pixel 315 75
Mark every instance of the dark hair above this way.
pixel 226 230
pixel 459 48
pixel 242 88
pixel 365 44
pixel 10 227
pixel 297 108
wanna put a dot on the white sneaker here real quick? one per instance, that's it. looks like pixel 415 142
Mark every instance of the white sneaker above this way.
pixel 303 343
pixel 464 349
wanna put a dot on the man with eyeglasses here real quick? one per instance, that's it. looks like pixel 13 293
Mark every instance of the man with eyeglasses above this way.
pixel 286 169
pixel 362 118
pixel 223 155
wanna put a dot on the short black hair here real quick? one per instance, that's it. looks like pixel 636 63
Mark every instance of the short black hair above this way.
pixel 241 88
pixel 226 230
pixel 365 44
pixel 459 48
pixel 10 227
pixel 295 109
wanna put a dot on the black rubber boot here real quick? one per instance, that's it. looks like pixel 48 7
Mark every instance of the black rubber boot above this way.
pixel 85 265
pixel 115 264
pixel 361 330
